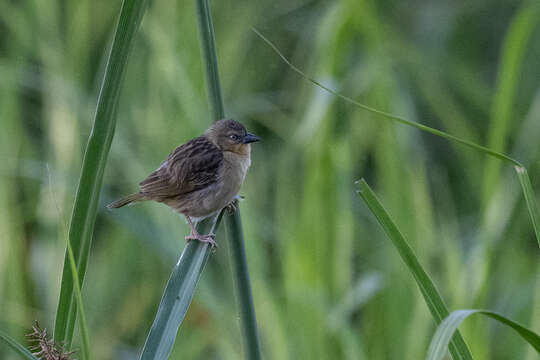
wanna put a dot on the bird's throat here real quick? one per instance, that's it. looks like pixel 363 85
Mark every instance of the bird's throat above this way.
pixel 241 149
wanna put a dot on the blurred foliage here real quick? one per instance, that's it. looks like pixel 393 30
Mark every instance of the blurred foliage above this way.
pixel 327 283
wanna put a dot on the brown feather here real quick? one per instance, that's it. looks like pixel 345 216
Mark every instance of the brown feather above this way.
pixel 190 167
pixel 128 200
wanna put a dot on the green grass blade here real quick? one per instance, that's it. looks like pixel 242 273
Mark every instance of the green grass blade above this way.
pixel 16 346
pixel 470 144
pixel 177 298
pixel 513 52
pixel 530 199
pixel 399 119
pixel 434 301
pixel 439 343
pixel 97 150
pixel 235 233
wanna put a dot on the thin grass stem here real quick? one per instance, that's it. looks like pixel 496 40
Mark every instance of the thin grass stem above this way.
pixel 532 206
pixel 234 222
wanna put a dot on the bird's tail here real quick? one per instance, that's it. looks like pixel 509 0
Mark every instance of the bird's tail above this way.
pixel 126 201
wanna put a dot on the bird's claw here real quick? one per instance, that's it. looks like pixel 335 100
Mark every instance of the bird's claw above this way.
pixel 208 238
pixel 233 205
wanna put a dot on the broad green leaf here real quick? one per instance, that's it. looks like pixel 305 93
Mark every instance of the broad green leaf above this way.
pixel 445 331
pixel 95 158
pixel 433 299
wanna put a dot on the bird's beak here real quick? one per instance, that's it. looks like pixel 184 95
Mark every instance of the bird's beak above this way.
pixel 249 138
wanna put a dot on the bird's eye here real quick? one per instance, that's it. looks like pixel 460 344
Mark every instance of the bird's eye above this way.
pixel 233 137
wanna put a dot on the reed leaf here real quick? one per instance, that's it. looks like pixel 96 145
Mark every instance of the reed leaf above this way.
pixel 16 346
pixel 177 297
pixel 95 158
pixel 434 301
pixel 445 331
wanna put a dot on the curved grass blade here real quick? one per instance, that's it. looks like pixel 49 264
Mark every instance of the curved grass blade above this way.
pixel 400 119
pixel 234 223
pixel 527 192
pixel 439 343
pixel 17 347
pixel 177 298
pixel 95 157
pixel 434 301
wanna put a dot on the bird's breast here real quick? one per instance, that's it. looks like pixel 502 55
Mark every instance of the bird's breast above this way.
pixel 234 169
pixel 215 197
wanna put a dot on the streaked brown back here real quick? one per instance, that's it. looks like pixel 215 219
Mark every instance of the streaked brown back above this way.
pixel 190 167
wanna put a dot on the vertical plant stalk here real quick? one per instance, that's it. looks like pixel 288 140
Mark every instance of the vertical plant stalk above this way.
pixel 95 158
pixel 243 288
pixel 209 55
pixel 233 222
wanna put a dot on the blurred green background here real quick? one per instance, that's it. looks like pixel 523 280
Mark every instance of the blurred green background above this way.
pixel 327 283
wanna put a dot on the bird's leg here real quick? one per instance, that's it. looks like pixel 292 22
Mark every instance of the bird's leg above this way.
pixel 194 235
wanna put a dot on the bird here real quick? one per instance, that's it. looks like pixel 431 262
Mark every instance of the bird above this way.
pixel 200 177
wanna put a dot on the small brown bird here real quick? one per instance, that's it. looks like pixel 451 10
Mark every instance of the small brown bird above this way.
pixel 200 177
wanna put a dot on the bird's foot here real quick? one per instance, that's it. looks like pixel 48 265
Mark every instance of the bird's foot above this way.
pixel 233 205
pixel 208 238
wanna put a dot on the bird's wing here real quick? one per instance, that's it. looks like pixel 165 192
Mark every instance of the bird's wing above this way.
pixel 191 166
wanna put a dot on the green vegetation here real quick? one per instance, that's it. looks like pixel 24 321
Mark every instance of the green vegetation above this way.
pixel 93 166
pixel 327 284
pixel 431 295
pixel 439 344
pixel 19 348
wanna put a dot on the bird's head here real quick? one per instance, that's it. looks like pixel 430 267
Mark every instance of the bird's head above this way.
pixel 230 135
